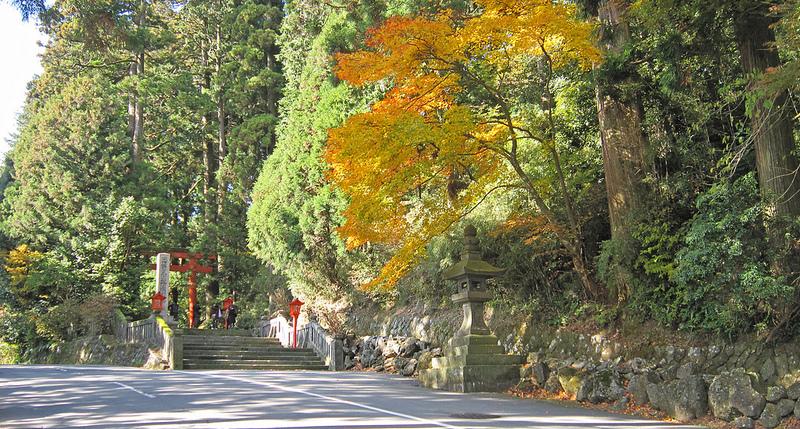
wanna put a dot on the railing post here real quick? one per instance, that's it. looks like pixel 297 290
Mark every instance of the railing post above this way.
pixel 177 350
pixel 337 355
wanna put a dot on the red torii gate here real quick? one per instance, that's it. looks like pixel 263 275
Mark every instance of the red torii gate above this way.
pixel 193 266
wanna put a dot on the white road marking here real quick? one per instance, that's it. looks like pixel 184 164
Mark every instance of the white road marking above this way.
pixel 330 398
pixel 134 389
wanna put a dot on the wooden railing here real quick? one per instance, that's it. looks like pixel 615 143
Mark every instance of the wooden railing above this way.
pixel 153 331
pixel 312 336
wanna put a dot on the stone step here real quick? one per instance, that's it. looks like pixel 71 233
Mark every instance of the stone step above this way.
pixel 225 361
pixel 210 350
pixel 224 355
pixel 218 332
pixel 274 367
pixel 229 343
pixel 225 340
pixel 475 340
pixel 451 361
pixel 243 349
pixel 480 349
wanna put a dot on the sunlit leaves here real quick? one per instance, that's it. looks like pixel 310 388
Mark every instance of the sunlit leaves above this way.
pixel 434 144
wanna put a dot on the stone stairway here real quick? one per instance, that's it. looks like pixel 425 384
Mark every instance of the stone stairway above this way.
pixel 237 349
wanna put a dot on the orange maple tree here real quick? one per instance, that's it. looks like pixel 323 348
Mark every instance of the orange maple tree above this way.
pixel 450 130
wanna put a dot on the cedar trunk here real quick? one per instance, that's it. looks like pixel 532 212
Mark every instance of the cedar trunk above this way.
pixel 222 148
pixel 771 120
pixel 621 134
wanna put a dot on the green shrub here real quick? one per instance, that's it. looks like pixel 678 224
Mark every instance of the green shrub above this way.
pixel 722 282
pixel 9 353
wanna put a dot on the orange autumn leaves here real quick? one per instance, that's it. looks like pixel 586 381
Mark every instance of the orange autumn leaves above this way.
pixel 425 137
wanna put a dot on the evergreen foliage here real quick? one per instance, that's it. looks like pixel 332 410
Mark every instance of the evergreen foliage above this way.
pixel 321 149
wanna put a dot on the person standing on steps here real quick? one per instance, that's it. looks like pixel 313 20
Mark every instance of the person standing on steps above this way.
pixel 231 318
pixel 173 309
pixel 216 316
pixel 196 316
pixel 226 307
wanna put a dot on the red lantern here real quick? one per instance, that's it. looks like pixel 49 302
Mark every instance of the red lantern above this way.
pixel 294 311
pixel 157 302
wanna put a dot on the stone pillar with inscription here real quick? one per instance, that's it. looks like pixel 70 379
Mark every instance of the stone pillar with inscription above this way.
pixel 163 261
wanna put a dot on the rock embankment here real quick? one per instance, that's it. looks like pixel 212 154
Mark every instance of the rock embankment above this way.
pixel 400 355
pixel 746 382
pixel 742 383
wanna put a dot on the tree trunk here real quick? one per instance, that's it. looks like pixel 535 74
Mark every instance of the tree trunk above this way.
pixel 568 235
pixel 222 148
pixel 771 120
pixel 138 127
pixel 138 108
pixel 209 157
pixel 132 104
pixel 621 134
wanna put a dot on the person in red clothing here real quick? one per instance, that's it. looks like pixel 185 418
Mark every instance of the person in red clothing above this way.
pixel 229 311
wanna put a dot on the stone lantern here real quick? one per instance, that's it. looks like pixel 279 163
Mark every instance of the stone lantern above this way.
pixel 470 275
pixel 473 362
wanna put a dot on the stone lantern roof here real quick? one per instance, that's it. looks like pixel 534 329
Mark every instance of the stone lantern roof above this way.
pixel 471 263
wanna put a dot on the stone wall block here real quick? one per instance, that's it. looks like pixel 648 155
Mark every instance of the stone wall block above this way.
pixel 637 388
pixel 775 393
pixel 684 399
pixel 732 393
pixel 743 422
pixel 601 386
pixel 553 385
pixel 540 372
pixel 770 417
pixel 785 407
pixel 793 391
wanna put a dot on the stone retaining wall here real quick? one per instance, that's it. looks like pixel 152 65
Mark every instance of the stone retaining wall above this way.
pixel 103 350
pixel 744 382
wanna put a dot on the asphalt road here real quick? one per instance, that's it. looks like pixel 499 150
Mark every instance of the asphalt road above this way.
pixel 112 397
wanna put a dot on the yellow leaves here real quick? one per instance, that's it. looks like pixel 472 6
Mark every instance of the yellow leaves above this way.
pixel 428 150
pixel 19 261
pixel 401 48
pixel 379 158
pixel 509 28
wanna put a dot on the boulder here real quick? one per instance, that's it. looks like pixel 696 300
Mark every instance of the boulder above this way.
pixel 684 399
pixel 686 370
pixel 732 393
pixel 637 388
pixel 637 364
pixel 767 370
pixel 793 392
pixel 540 372
pixel 775 393
pixel 570 380
pixel 408 347
pixel 525 372
pixel 367 358
pixel 785 407
pixel 394 364
pixel 409 368
pixel 424 361
pixel 770 417
pixel 552 384
pixel 743 422
pixel 600 386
